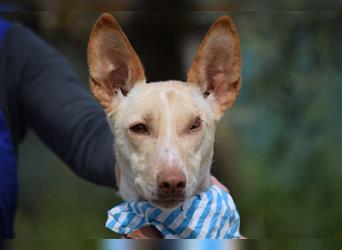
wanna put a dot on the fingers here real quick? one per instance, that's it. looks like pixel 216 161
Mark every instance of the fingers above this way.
pixel 146 232
pixel 214 181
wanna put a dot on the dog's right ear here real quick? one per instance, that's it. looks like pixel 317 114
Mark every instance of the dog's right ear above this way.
pixel 216 68
pixel 114 67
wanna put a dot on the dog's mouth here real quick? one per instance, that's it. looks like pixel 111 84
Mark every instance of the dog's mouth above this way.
pixel 168 203
pixel 161 200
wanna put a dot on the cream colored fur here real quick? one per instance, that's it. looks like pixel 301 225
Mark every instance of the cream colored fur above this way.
pixel 167 109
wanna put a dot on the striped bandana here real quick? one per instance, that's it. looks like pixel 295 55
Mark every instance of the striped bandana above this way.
pixel 208 215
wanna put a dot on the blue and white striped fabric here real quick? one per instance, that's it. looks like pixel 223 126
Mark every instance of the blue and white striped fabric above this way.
pixel 208 215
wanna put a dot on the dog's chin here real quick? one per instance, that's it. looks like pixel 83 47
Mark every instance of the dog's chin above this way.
pixel 167 204
pixel 163 203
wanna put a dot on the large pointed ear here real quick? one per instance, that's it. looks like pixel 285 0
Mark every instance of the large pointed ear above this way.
pixel 114 67
pixel 216 68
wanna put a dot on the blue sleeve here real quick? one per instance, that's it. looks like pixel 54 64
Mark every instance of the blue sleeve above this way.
pixel 44 93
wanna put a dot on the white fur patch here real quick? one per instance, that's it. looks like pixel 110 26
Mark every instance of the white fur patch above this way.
pixel 169 153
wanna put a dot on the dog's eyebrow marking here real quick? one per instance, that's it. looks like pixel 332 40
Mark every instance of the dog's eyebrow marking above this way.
pixel 147 118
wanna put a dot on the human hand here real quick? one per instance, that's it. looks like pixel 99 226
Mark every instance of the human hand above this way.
pixel 143 233
pixel 219 184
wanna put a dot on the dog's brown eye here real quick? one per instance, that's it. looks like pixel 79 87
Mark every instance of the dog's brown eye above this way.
pixel 196 125
pixel 139 129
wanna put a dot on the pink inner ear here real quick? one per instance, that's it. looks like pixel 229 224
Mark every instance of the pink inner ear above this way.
pixel 216 66
pixel 113 64
pixel 219 77
pixel 117 78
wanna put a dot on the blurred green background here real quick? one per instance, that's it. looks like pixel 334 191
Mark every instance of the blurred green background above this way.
pixel 278 149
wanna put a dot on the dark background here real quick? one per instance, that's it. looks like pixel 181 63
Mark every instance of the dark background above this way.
pixel 278 149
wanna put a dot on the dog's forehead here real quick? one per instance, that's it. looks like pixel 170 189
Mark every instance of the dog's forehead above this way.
pixel 173 95
pixel 153 89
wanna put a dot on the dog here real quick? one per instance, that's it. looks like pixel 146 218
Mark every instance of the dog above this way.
pixel 164 131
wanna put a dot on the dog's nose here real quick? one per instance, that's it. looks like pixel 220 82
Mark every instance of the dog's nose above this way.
pixel 171 181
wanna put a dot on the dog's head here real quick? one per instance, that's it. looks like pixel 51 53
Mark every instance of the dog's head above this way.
pixel 164 131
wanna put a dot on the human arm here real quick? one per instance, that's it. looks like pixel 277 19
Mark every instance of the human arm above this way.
pixel 45 94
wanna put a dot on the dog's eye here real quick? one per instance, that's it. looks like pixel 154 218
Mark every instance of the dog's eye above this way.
pixel 195 125
pixel 139 129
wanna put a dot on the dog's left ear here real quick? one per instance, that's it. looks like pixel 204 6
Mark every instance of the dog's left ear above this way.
pixel 216 68
pixel 114 67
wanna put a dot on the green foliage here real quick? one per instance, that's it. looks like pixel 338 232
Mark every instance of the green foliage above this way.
pixel 287 126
